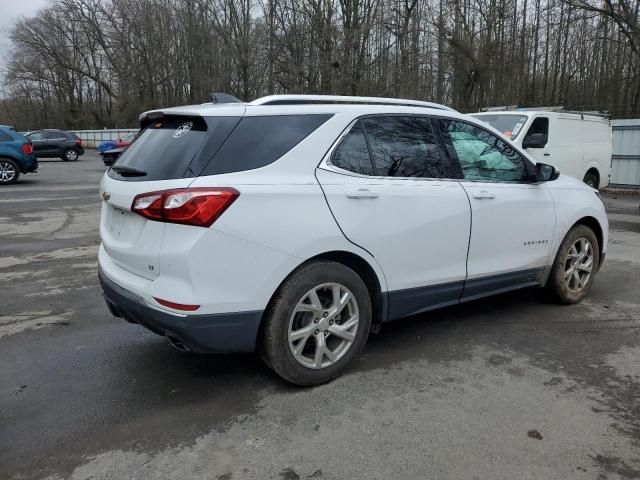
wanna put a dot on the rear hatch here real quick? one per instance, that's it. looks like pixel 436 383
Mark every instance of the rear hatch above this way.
pixel 171 150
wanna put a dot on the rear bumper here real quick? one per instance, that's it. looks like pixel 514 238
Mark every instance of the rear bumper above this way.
pixel 212 333
pixel 29 165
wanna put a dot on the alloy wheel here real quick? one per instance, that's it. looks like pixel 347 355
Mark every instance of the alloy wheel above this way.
pixel 7 172
pixel 323 325
pixel 578 265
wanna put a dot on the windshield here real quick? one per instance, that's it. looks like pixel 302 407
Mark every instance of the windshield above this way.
pixel 509 125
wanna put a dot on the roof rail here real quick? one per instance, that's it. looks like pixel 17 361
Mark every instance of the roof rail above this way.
pixel 333 99
pixel 556 109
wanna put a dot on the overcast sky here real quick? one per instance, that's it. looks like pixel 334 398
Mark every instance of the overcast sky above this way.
pixel 9 11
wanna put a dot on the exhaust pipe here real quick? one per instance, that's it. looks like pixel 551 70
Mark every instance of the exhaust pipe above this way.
pixel 177 344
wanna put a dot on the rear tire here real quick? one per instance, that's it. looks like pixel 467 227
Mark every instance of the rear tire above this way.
pixel 575 266
pixel 70 155
pixel 9 171
pixel 316 323
pixel 592 179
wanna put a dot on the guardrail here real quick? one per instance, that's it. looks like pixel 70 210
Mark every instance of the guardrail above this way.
pixel 92 138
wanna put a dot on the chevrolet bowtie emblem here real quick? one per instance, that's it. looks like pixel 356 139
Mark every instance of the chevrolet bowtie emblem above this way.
pixel 106 196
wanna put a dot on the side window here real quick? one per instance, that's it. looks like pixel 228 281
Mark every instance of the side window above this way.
pixel 5 137
pixel 405 146
pixel 35 136
pixel 260 141
pixel 54 135
pixel 352 154
pixel 540 125
pixel 482 155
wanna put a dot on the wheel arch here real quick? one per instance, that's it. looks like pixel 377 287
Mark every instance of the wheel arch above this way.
pixel 596 172
pixel 359 265
pixel 594 225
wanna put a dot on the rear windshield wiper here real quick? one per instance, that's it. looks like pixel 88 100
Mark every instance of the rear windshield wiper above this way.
pixel 127 171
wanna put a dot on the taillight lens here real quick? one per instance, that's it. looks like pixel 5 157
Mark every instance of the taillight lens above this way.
pixel 79 142
pixel 191 206
pixel 27 149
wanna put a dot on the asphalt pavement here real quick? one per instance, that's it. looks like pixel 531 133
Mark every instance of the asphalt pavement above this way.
pixel 510 387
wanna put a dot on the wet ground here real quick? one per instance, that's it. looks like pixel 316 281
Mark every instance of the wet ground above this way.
pixel 508 387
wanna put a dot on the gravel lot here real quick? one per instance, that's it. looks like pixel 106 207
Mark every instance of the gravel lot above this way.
pixel 509 387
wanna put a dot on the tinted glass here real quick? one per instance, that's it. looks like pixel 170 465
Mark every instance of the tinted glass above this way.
pixel 352 154
pixel 482 155
pixel 175 147
pixel 405 146
pixel 259 141
pixel 5 137
pixel 35 136
pixel 54 135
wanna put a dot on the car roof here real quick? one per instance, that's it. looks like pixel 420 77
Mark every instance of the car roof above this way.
pixel 307 104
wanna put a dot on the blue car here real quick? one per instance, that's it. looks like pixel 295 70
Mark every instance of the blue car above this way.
pixel 16 156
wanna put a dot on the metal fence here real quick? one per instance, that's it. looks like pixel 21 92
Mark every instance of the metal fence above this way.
pixel 625 165
pixel 92 138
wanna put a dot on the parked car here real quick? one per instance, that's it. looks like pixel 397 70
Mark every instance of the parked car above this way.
pixel 16 156
pixel 56 144
pixel 578 144
pixel 110 156
pixel 121 142
pixel 295 225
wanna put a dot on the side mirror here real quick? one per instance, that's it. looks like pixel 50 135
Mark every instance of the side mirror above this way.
pixel 535 140
pixel 546 173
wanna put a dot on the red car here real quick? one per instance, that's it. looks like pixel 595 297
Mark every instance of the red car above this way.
pixel 124 141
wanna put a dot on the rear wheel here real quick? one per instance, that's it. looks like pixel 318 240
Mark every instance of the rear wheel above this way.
pixel 9 171
pixel 317 322
pixel 575 265
pixel 592 179
pixel 70 155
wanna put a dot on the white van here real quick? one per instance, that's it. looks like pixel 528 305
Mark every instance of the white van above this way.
pixel 578 145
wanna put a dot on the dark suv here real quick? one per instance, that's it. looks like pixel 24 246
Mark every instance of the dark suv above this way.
pixel 56 144
pixel 16 155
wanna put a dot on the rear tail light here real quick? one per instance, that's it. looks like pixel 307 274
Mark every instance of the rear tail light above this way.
pixel 27 149
pixel 190 206
pixel 79 142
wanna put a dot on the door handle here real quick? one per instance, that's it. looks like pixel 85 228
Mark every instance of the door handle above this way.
pixel 484 195
pixel 546 154
pixel 360 193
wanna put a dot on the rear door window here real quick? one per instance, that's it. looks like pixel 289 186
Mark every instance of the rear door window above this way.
pixel 352 153
pixel 405 146
pixel 260 141
pixel 173 147
pixel 5 137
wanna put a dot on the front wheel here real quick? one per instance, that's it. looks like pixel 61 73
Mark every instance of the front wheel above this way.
pixel 70 155
pixel 591 179
pixel 575 265
pixel 9 171
pixel 317 322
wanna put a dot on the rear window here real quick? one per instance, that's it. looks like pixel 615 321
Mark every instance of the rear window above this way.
pixel 259 141
pixel 174 147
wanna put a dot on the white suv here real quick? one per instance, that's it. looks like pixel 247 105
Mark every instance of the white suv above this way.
pixel 295 225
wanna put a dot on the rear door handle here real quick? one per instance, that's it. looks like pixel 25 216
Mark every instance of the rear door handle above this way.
pixel 360 193
pixel 484 195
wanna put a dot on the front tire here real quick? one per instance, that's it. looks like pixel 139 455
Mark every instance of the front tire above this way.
pixel 70 155
pixel 9 171
pixel 316 323
pixel 575 265
pixel 592 179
